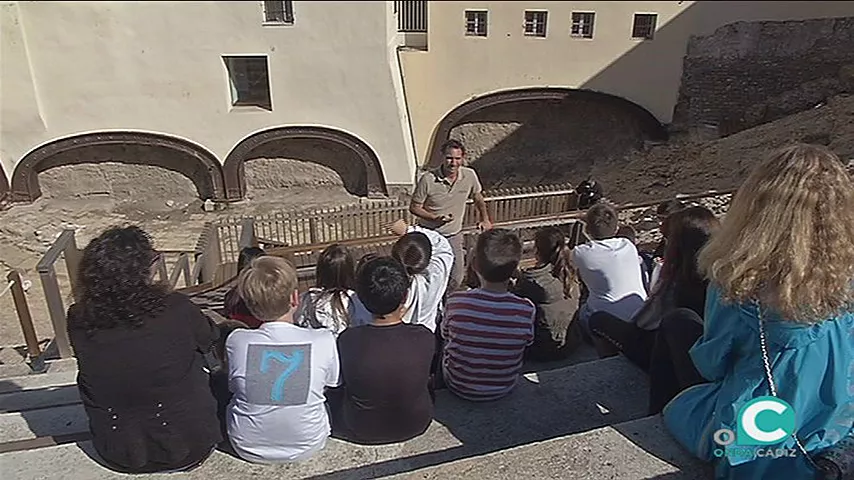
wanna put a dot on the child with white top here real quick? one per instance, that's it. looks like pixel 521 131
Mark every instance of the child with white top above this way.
pixel 278 372
pixel 332 304
pixel 428 258
pixel 609 267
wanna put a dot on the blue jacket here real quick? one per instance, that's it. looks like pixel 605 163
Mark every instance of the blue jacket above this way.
pixel 812 367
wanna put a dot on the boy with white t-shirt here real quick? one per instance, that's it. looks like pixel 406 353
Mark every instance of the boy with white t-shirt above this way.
pixel 609 267
pixel 278 372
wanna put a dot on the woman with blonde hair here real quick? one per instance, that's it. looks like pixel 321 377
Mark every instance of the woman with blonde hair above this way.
pixel 778 322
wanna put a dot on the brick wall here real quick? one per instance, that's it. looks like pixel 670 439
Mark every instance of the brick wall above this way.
pixel 749 73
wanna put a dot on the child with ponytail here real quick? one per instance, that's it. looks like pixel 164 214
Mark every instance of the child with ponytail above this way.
pixel 332 304
pixel 428 259
pixel 548 284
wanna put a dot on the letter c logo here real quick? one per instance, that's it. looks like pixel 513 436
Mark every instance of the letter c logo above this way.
pixel 765 421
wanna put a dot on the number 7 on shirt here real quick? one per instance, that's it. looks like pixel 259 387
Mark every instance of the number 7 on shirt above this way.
pixel 278 374
pixel 291 363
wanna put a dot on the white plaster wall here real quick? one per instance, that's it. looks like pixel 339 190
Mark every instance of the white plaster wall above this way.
pixel 79 67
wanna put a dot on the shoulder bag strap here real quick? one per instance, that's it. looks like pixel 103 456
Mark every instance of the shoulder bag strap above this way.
pixel 763 344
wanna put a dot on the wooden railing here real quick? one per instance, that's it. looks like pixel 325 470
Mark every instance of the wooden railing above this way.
pixel 19 298
pixel 216 260
pixel 181 268
pixel 369 220
pixel 571 222
pixel 66 247
pixel 304 257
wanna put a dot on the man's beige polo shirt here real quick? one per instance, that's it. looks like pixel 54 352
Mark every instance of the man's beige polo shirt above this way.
pixel 440 196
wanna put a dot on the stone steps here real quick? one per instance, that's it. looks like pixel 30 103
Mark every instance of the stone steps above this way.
pixel 12 371
pixel 546 405
pixel 632 450
pixel 637 449
pixel 36 381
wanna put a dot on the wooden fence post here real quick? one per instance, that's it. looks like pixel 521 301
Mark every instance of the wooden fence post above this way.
pixel 24 316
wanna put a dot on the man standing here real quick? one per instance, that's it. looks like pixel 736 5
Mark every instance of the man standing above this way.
pixel 439 203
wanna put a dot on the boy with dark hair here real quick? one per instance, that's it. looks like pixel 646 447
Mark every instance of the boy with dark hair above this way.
pixel 385 365
pixel 645 258
pixel 487 329
pixel 610 268
pixel 428 258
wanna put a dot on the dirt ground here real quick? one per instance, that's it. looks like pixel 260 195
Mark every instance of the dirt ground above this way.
pixel 690 165
pixel 175 217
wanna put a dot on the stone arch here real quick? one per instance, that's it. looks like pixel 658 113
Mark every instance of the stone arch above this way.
pixel 653 128
pixel 373 184
pixel 4 183
pixel 195 162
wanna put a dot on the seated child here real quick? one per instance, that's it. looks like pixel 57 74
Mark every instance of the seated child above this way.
pixel 277 372
pixel 235 308
pixel 428 258
pixel 487 329
pixel 610 268
pixel 549 286
pixel 219 378
pixel 385 365
pixel 332 303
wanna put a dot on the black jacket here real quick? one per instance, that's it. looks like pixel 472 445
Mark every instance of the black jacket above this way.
pixel 145 391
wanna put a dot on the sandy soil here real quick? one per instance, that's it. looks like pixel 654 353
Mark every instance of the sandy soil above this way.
pixel 689 166
pixel 27 231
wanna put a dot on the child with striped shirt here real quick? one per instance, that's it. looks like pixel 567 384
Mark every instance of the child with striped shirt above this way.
pixel 486 329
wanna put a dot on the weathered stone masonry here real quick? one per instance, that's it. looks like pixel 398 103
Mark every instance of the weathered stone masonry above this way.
pixel 749 73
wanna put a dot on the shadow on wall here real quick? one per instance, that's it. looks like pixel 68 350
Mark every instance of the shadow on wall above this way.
pixel 744 63
pixel 740 75
pixel 548 141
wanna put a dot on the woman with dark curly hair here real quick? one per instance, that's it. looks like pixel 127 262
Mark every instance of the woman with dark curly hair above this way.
pixel 139 354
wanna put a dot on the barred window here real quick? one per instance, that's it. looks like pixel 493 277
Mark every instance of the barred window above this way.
pixel 476 23
pixel 535 23
pixel 644 25
pixel 582 24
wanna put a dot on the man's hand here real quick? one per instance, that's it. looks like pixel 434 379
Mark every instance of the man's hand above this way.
pixel 419 211
pixel 399 228
pixel 484 225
